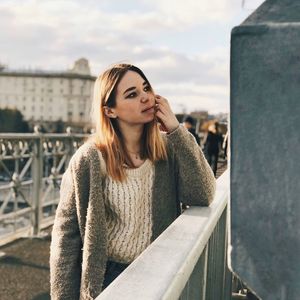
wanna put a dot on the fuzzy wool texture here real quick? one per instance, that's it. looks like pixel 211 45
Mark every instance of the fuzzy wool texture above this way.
pixel 78 252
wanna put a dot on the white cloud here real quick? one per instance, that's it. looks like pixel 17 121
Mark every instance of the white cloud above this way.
pixel 191 12
pixel 52 34
pixel 214 98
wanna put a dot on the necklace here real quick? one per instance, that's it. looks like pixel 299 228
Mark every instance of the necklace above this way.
pixel 136 154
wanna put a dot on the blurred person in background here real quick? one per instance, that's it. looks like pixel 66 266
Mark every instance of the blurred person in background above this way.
pixel 189 124
pixel 212 146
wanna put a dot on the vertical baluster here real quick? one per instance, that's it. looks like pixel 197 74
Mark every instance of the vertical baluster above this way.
pixel 227 287
pixel 37 174
pixel 197 281
pixel 217 260
pixel 209 286
pixel 221 253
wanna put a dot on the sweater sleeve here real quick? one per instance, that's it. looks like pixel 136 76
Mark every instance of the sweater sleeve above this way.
pixel 65 250
pixel 196 183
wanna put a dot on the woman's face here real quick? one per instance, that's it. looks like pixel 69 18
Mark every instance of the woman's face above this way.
pixel 135 101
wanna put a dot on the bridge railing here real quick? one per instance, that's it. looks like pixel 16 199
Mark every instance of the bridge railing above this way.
pixel 187 261
pixel 31 168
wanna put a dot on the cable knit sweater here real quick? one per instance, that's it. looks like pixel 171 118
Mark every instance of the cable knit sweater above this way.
pixel 78 252
pixel 128 213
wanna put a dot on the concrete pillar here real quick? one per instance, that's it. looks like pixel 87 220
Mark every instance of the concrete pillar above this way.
pixel 265 150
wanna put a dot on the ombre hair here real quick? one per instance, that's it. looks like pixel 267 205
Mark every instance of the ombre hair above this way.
pixel 108 136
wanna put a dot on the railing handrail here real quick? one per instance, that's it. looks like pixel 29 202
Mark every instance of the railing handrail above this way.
pixel 23 136
pixel 163 269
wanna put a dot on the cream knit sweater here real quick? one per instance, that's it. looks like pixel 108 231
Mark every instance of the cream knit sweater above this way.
pixel 128 212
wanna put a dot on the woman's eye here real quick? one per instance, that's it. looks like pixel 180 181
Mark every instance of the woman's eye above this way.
pixel 131 95
pixel 147 88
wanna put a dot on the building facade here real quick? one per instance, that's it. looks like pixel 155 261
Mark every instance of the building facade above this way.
pixel 46 96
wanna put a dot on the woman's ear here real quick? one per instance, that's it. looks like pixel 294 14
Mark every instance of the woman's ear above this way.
pixel 109 112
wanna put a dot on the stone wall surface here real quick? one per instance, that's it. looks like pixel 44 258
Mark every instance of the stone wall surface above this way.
pixel 265 143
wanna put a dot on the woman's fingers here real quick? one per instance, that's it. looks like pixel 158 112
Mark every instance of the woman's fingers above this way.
pixel 161 108
pixel 161 100
pixel 163 104
pixel 165 114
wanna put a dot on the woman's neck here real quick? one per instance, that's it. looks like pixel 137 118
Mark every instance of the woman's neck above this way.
pixel 132 137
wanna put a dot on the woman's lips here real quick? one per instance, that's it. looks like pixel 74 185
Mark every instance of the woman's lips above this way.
pixel 149 110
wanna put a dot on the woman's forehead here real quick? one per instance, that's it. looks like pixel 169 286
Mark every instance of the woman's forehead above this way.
pixel 130 79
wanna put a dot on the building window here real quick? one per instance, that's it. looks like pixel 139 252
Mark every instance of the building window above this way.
pixel 32 108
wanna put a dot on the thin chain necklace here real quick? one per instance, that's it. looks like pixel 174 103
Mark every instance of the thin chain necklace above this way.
pixel 137 155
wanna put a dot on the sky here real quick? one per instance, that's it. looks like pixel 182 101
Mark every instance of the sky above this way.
pixel 183 47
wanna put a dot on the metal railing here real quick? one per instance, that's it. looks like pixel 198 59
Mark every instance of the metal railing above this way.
pixel 31 168
pixel 187 261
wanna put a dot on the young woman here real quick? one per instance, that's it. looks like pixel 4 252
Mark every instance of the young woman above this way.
pixel 124 186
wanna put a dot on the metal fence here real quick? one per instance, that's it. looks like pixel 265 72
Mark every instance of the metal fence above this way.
pixel 188 261
pixel 31 168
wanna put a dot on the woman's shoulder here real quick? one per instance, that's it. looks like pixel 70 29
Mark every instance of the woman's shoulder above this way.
pixel 84 155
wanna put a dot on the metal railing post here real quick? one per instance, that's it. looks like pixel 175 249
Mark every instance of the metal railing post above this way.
pixel 37 174
pixel 70 141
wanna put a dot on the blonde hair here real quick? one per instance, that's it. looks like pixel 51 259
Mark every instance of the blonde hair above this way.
pixel 108 136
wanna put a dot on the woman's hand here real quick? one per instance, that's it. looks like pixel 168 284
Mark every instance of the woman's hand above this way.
pixel 165 115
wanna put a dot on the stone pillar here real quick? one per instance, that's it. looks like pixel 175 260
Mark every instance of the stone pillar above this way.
pixel 265 150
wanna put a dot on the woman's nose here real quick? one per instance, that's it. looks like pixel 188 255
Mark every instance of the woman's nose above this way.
pixel 144 97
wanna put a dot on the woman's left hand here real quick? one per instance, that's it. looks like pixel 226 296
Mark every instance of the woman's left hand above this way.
pixel 165 114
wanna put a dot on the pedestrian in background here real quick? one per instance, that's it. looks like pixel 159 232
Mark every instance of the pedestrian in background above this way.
pixel 124 186
pixel 189 124
pixel 212 145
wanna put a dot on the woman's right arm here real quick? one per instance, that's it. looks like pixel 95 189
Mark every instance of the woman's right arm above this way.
pixel 66 244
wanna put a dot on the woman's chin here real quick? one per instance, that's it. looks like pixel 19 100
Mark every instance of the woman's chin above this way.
pixel 149 119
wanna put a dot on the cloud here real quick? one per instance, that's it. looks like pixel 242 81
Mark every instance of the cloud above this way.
pixel 214 98
pixel 52 34
pixel 165 64
pixel 191 12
